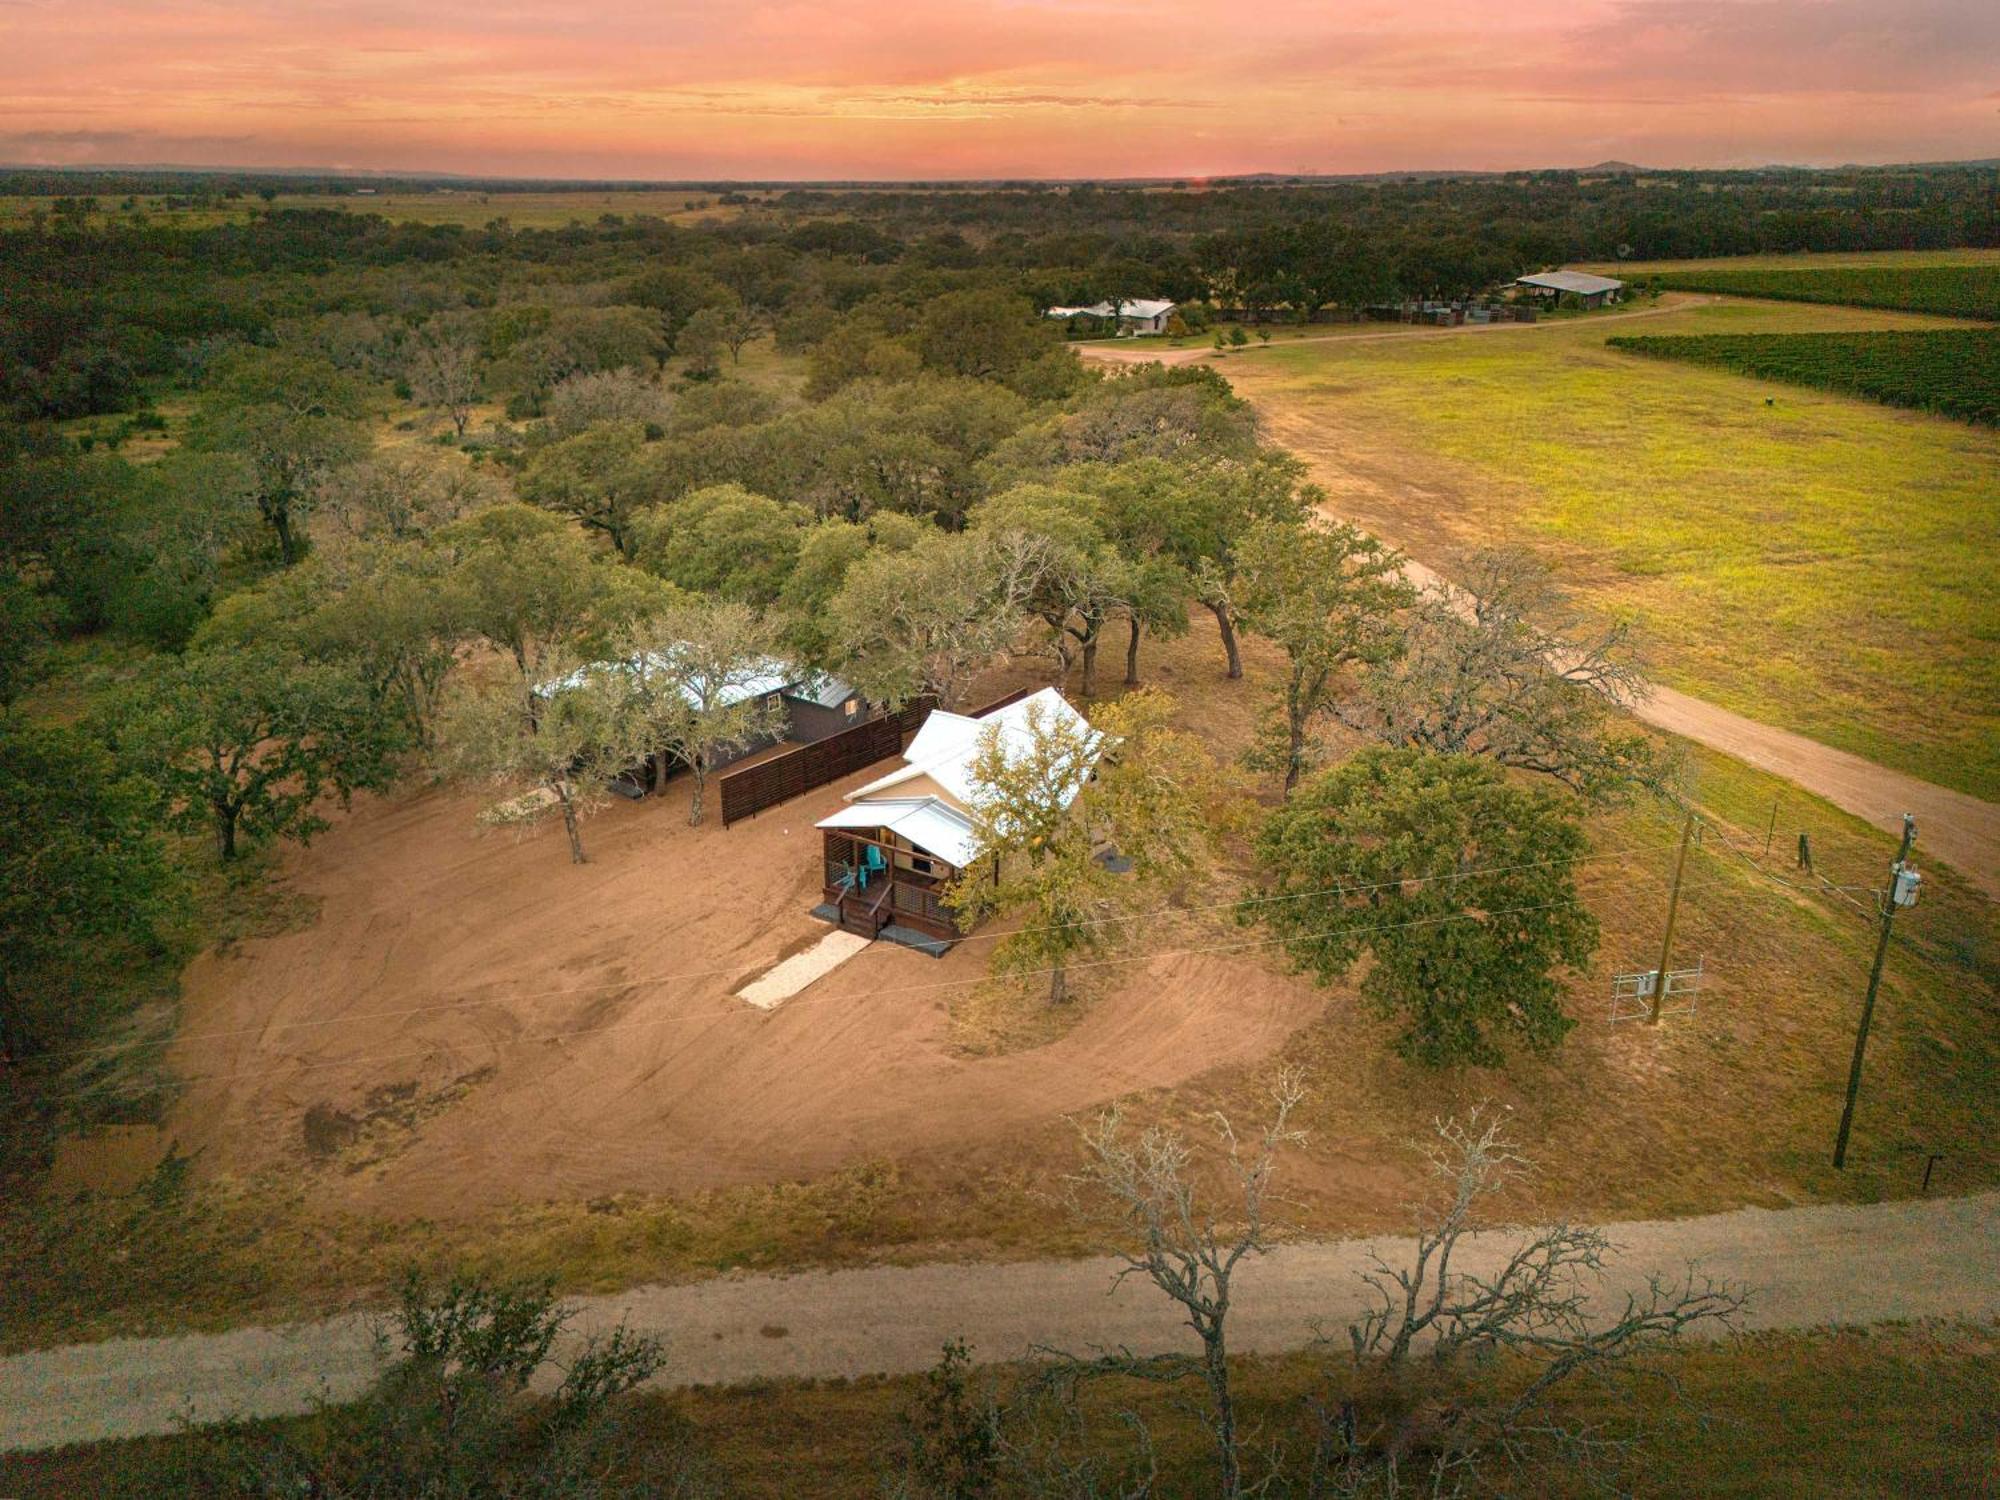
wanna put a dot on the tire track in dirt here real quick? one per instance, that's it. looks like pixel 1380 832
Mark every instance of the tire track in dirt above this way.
pixel 590 1005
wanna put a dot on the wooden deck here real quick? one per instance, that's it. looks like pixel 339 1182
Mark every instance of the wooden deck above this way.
pixel 872 895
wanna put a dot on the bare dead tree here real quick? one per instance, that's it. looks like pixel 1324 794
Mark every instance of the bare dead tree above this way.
pixel 1411 1408
pixel 1503 664
pixel 1143 1190
pixel 446 369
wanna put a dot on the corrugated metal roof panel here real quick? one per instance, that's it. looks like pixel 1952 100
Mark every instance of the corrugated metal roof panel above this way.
pixel 925 822
pixel 1570 281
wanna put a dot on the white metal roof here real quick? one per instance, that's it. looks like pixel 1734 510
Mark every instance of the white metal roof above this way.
pixel 1570 281
pixel 758 678
pixel 924 821
pixel 1142 307
pixel 822 688
pixel 946 744
pixel 944 749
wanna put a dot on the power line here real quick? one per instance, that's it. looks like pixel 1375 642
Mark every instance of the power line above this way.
pixel 1824 886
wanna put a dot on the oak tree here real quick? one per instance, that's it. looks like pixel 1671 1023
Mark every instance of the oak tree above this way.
pixel 1459 885
pixel 524 581
pixel 1502 664
pixel 556 759
pixel 246 740
pixel 1327 596
pixel 706 684
pixel 295 418
pixel 601 476
pixel 927 619
pixel 445 368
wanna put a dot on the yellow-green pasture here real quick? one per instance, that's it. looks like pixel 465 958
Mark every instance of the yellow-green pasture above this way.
pixel 1800 260
pixel 1812 560
pixel 472 208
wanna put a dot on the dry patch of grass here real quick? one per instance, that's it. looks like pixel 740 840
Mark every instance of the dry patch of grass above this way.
pixel 469 209
pixel 1014 1015
pixel 177 1255
pixel 1894 1409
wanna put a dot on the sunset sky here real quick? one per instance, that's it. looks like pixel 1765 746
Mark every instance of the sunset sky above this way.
pixel 887 89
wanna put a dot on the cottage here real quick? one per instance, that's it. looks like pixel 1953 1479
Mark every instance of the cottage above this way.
pixel 1144 315
pixel 1553 286
pixel 815 705
pixel 819 705
pixel 903 838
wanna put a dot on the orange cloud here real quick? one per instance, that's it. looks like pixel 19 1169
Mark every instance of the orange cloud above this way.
pixel 931 88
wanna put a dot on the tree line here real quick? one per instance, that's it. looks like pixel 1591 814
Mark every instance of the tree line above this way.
pixel 97 305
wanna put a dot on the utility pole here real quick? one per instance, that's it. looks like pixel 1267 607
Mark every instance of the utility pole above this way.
pixel 1673 910
pixel 1902 892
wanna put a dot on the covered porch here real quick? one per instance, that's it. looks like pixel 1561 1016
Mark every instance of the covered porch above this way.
pixel 876 878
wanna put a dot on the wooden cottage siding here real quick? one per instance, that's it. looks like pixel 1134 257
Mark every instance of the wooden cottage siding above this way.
pixel 901 894
pixel 811 721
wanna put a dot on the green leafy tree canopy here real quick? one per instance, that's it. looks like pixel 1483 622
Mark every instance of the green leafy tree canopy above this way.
pixel 245 741
pixel 1457 883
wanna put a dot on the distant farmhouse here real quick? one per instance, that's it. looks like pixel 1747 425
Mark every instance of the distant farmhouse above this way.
pixel 1142 315
pixel 1591 291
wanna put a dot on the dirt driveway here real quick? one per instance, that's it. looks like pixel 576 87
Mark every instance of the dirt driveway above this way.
pixel 1147 351
pixel 1803 1267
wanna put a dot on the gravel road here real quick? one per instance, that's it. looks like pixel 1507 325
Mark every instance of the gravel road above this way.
pixel 1804 1267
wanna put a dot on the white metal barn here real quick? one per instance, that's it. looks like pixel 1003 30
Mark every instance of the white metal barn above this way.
pixel 1142 315
pixel 1592 291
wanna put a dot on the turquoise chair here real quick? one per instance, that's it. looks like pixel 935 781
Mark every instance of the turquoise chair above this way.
pixel 871 864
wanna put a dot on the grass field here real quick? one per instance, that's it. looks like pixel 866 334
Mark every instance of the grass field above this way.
pixel 1804 260
pixel 1892 1410
pixel 468 208
pixel 1808 559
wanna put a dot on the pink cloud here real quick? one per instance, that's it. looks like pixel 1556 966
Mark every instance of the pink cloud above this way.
pixel 994 87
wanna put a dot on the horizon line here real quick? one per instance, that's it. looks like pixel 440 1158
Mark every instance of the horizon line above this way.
pixel 81 169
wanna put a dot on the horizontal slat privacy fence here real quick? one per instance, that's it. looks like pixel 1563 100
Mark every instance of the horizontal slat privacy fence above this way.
pixel 749 790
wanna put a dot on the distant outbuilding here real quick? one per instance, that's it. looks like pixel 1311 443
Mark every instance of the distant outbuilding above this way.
pixel 1591 291
pixel 1139 315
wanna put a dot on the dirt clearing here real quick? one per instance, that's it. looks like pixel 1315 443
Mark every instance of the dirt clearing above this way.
pixel 473 1020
